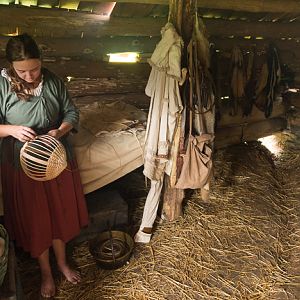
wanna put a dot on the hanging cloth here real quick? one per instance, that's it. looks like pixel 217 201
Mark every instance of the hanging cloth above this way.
pixel 165 105
pixel 163 121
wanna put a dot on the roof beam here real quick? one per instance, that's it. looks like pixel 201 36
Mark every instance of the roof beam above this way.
pixel 61 23
pixel 255 6
pixel 269 30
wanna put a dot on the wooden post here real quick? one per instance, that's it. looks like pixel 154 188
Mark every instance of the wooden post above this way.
pixel 181 15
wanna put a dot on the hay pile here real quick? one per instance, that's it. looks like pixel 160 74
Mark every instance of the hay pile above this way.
pixel 243 244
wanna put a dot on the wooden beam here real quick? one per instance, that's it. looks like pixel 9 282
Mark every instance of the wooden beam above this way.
pixel 227 136
pixel 272 30
pixel 256 115
pixel 94 70
pixel 256 6
pixel 61 23
pixel 225 44
pixel 90 48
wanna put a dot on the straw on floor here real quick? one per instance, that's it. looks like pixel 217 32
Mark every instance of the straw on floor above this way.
pixel 243 244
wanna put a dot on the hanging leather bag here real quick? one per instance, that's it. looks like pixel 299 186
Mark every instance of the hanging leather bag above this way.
pixel 197 161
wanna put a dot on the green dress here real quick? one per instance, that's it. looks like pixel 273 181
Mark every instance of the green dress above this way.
pixel 37 212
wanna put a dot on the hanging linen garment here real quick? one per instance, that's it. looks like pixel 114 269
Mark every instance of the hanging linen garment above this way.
pixel 164 111
pixel 163 88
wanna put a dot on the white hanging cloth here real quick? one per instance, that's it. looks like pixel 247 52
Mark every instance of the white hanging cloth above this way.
pixel 165 108
pixel 165 105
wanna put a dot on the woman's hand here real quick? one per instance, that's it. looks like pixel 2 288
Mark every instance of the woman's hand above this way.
pixel 22 133
pixel 63 129
pixel 56 133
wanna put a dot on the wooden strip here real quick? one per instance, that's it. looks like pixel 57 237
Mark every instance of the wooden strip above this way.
pixel 60 23
pixel 256 6
pixel 227 120
pixel 227 136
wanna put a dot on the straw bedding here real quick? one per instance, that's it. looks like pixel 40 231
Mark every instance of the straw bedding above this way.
pixel 243 244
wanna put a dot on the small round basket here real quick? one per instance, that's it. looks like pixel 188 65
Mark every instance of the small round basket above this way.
pixel 3 252
pixel 111 249
pixel 43 158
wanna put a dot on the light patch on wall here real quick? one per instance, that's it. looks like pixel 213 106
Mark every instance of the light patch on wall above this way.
pixel 5 2
pixel 13 33
pixel 124 57
pixel 110 8
pixel 69 5
pixel 69 78
pixel 45 6
pixel 28 2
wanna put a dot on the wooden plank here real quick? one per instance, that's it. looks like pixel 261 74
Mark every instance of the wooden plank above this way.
pixel 92 69
pixel 255 116
pixel 256 6
pixel 291 47
pixel 90 48
pixel 106 86
pixel 254 131
pixel 61 23
pixel 227 136
pixel 274 30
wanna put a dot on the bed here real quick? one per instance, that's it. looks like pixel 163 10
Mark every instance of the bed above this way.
pixel 109 143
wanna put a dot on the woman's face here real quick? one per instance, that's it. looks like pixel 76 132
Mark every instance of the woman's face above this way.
pixel 28 70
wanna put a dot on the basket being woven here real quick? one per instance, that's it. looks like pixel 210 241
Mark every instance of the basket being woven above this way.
pixel 43 158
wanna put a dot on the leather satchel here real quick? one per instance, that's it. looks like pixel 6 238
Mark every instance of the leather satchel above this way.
pixel 197 163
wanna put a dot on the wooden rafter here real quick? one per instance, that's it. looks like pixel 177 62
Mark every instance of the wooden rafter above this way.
pixel 272 6
pixel 57 23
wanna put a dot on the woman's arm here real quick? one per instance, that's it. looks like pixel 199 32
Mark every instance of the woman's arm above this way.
pixel 21 133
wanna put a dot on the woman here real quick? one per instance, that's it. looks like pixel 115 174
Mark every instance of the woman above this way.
pixel 38 215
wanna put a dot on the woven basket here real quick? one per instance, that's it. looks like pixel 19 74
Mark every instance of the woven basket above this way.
pixel 43 158
pixel 4 256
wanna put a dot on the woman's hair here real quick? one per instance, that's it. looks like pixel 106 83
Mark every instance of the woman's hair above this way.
pixel 18 48
pixel 22 47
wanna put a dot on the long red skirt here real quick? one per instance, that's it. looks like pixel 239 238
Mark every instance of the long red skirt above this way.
pixel 36 212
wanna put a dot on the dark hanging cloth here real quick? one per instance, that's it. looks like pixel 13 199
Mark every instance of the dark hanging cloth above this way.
pixel 269 81
pixel 237 79
pixel 250 83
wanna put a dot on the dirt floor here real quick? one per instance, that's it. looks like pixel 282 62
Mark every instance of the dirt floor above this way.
pixel 242 244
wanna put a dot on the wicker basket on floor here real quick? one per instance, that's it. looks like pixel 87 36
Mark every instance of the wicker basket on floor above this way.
pixel 4 246
pixel 43 158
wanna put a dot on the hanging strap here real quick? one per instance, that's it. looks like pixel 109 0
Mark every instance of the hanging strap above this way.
pixel 194 88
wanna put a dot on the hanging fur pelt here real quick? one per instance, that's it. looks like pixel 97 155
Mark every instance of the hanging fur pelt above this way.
pixel 268 81
pixel 201 37
pixel 238 79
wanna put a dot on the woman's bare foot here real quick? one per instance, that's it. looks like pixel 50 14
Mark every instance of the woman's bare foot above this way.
pixel 48 286
pixel 70 274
